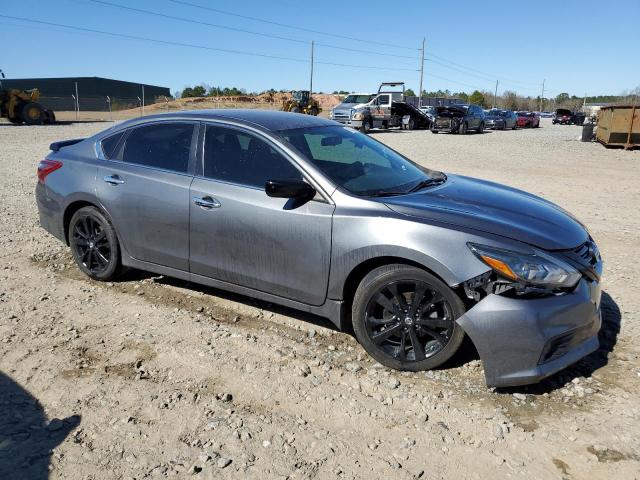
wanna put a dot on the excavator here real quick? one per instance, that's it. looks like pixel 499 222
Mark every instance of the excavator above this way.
pixel 21 106
pixel 301 102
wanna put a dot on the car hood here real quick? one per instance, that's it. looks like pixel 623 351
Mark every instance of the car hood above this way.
pixel 345 106
pixel 495 209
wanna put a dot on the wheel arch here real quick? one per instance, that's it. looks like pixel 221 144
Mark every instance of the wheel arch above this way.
pixel 359 271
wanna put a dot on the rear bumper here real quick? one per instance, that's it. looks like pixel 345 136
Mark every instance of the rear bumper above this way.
pixel 522 341
pixel 49 213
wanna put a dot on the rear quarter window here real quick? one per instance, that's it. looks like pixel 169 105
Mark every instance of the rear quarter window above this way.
pixel 110 144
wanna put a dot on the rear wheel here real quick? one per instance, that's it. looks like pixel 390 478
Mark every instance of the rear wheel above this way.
pixel 481 127
pixel 94 244
pixel 32 113
pixel 405 318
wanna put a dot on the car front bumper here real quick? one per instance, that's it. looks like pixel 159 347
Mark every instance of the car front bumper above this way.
pixel 522 341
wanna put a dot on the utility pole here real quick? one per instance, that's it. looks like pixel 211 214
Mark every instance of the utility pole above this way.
pixel 421 74
pixel 77 103
pixel 495 96
pixel 541 95
pixel 311 78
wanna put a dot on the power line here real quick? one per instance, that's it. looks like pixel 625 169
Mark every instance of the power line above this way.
pixel 191 45
pixel 242 30
pixel 294 27
pixel 492 77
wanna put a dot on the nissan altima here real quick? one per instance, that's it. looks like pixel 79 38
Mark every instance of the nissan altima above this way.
pixel 304 212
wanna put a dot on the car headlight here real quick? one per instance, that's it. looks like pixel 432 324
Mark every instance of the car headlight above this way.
pixel 358 116
pixel 331 113
pixel 537 269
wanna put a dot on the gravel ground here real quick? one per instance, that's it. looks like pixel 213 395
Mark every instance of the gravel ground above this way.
pixel 151 377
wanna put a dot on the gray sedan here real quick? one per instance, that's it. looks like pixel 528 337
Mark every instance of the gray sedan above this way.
pixel 304 212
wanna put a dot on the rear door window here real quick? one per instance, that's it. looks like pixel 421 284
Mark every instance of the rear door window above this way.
pixel 163 145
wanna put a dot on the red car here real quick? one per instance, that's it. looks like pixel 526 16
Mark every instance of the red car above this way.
pixel 528 119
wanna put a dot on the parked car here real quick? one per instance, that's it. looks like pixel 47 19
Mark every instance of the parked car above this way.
pixel 567 117
pixel 301 211
pixel 528 119
pixel 458 119
pixel 429 111
pixel 500 119
pixel 546 114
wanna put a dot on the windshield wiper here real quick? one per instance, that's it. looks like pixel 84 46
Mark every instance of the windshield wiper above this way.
pixel 426 183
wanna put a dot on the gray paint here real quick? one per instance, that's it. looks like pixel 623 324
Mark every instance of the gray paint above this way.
pixel 301 255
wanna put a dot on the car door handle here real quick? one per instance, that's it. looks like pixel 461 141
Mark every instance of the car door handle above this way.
pixel 206 202
pixel 113 179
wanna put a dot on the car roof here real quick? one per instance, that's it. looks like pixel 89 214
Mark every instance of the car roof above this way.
pixel 267 119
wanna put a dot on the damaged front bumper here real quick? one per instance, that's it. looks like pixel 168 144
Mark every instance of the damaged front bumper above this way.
pixel 522 341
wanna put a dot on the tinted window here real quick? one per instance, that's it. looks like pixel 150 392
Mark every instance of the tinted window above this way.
pixel 165 145
pixel 109 144
pixel 383 100
pixel 237 157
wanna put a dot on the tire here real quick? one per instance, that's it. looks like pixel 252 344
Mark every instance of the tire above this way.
pixel 432 335
pixel 515 126
pixel 480 129
pixel 94 244
pixel 463 128
pixel 434 131
pixel 411 125
pixel 313 111
pixel 296 110
pixel 32 113
pixel 367 125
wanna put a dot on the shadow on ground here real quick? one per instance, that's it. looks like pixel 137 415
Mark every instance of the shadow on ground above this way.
pixel 27 438
pixel 608 337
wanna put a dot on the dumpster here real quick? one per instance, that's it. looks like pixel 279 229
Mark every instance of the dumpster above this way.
pixel 619 126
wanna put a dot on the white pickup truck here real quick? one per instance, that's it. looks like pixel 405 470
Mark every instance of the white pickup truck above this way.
pixel 385 110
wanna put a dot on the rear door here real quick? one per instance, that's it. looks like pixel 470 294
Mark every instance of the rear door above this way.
pixel 144 186
pixel 242 236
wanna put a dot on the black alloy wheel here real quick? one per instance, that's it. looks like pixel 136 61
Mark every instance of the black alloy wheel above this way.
pixel 94 244
pixel 406 318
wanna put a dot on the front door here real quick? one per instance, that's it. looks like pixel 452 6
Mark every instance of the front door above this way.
pixel 145 190
pixel 241 236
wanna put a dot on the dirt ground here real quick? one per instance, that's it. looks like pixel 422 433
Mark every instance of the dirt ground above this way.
pixel 150 377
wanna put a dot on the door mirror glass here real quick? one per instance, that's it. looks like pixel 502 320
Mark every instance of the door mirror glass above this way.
pixel 289 189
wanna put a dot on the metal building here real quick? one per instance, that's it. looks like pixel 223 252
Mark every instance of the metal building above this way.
pixel 94 93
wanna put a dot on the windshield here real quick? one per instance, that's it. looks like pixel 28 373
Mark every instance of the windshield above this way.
pixel 523 114
pixel 356 162
pixel 494 113
pixel 357 99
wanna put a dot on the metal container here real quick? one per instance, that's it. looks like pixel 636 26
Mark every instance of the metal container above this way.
pixel 619 126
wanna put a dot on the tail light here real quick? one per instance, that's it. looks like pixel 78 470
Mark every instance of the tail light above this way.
pixel 46 167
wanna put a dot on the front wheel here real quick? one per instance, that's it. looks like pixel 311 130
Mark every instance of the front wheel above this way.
pixel 366 126
pixel 94 244
pixel 405 318
pixel 481 127
pixel 462 129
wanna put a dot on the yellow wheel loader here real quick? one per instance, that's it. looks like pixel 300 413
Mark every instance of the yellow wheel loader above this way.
pixel 302 102
pixel 21 106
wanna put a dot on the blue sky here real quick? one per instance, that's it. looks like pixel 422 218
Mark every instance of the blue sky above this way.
pixel 578 46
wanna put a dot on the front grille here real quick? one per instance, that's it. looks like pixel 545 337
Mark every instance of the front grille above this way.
pixel 587 259
pixel 340 116
pixel 443 123
pixel 588 252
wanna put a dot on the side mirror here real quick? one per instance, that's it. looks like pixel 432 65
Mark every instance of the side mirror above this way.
pixel 289 189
